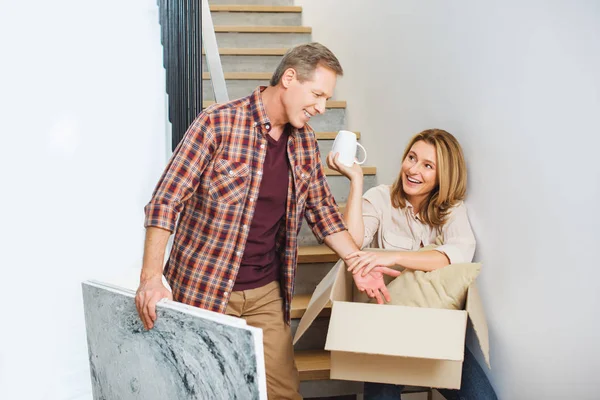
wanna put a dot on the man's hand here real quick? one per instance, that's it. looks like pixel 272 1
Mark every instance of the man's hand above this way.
pixel 150 292
pixel 363 262
pixel 373 283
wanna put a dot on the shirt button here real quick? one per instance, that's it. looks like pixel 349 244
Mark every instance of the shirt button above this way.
pixel 303 175
pixel 230 281
pixel 251 199
pixel 262 146
pixel 239 253
pixel 230 172
pixel 259 172
pixel 268 126
pixel 256 123
pixel 225 294
pixel 245 226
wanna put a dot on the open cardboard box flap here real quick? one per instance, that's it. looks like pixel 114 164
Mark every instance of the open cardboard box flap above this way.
pixel 474 308
pixel 399 331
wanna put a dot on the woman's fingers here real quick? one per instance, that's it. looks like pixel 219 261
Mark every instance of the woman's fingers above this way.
pixel 387 271
pixel 330 160
pixel 353 264
pixel 364 263
pixel 368 268
pixel 354 255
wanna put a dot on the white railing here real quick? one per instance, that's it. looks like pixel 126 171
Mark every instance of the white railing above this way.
pixel 213 60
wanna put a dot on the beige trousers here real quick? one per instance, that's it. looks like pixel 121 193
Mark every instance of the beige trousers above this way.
pixel 263 308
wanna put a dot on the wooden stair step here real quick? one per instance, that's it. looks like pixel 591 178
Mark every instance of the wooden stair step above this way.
pixel 300 304
pixel 255 8
pixel 330 104
pixel 366 171
pixel 331 135
pixel 262 29
pixel 316 254
pixel 243 75
pixel 250 52
pixel 313 365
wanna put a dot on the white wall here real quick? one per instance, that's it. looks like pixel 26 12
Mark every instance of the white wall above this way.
pixel 82 133
pixel 518 83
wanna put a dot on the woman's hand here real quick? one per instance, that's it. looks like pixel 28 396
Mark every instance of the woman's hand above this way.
pixel 364 262
pixel 353 173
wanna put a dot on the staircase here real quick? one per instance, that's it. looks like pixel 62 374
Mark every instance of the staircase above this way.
pixel 252 35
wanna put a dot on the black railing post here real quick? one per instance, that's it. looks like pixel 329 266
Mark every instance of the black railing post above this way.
pixel 181 37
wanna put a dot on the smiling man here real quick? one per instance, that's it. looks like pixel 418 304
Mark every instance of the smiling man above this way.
pixel 240 182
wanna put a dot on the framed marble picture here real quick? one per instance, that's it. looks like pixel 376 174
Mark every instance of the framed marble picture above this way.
pixel 189 354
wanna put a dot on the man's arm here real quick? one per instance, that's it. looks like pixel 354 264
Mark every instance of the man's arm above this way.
pixel 151 289
pixel 178 183
pixel 341 243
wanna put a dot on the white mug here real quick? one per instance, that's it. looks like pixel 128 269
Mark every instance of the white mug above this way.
pixel 345 143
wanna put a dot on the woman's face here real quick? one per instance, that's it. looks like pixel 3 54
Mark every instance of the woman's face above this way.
pixel 419 171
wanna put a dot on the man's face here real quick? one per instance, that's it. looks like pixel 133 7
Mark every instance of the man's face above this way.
pixel 302 100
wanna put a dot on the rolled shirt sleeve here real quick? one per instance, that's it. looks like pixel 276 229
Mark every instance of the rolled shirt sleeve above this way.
pixel 371 220
pixel 322 213
pixel 459 241
pixel 182 175
pixel 375 203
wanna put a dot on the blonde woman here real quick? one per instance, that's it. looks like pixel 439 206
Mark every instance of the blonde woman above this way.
pixel 425 203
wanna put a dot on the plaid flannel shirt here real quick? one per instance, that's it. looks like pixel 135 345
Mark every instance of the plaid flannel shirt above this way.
pixel 212 182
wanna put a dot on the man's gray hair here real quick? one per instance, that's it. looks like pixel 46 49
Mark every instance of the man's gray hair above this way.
pixel 304 59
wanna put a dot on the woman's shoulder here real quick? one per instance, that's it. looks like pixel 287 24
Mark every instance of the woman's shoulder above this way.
pixel 458 210
pixel 459 206
pixel 378 194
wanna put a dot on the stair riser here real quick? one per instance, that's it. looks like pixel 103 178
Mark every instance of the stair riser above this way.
pixel 325 147
pixel 236 88
pixel 256 18
pixel 246 63
pixel 340 187
pixel 330 388
pixel 314 338
pixel 253 2
pixel 308 276
pixel 263 40
pixel 333 120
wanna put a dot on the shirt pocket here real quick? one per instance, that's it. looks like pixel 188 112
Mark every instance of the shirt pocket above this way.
pixel 397 240
pixel 229 182
pixel 303 175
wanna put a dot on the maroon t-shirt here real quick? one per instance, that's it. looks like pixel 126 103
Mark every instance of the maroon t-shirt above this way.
pixel 260 263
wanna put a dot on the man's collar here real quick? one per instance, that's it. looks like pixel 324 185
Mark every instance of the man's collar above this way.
pixel 259 114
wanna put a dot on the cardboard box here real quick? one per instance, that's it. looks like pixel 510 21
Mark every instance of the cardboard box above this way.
pixel 393 344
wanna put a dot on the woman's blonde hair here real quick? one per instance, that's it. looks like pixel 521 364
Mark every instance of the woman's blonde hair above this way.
pixel 451 177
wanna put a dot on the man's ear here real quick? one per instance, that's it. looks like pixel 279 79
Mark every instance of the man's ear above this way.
pixel 289 75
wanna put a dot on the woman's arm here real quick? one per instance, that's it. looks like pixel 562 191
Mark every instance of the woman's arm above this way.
pixel 353 214
pixel 458 247
pixel 458 238
pixel 428 260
